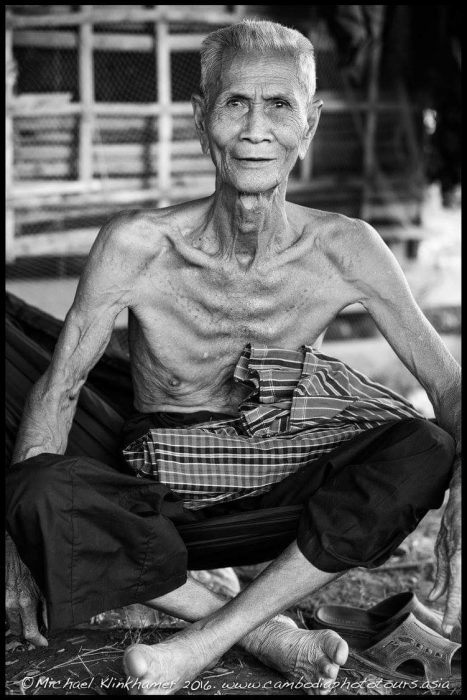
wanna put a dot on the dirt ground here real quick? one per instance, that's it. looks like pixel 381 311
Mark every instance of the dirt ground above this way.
pixel 88 660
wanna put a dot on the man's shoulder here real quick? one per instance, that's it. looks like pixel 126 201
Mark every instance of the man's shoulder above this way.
pixel 350 239
pixel 131 230
pixel 335 233
pixel 136 232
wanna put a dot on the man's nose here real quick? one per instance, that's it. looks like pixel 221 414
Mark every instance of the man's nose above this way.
pixel 257 126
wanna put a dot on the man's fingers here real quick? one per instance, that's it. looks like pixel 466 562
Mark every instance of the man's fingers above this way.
pixel 438 590
pixel 456 634
pixel 12 613
pixel 30 627
pixel 454 600
pixel 14 621
pixel 32 634
pixel 441 580
pixel 45 617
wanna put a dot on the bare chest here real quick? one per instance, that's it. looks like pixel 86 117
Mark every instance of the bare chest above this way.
pixel 193 322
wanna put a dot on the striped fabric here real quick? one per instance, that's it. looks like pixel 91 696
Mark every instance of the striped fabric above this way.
pixel 302 405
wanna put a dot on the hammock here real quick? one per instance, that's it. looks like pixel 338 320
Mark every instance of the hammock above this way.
pixel 105 402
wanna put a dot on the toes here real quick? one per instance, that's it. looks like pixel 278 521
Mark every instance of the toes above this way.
pixel 342 653
pixel 335 647
pixel 331 671
pixel 324 687
pixel 135 662
pixel 326 676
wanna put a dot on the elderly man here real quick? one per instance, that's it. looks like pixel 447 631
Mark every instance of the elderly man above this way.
pixel 229 298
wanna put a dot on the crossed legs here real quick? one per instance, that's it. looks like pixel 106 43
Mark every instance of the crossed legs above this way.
pixel 391 463
pixel 405 467
pixel 249 619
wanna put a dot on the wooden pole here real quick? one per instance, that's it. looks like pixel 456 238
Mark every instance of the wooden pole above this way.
pixel 120 109
pixel 369 145
pixel 86 89
pixel 114 15
pixel 104 42
pixel 415 149
pixel 383 184
pixel 164 90
pixel 9 147
pixel 77 242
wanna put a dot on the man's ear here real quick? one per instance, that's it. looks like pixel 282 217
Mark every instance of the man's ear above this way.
pixel 314 113
pixel 199 112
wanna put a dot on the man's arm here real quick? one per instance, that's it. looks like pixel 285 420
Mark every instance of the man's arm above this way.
pixel 370 267
pixel 104 290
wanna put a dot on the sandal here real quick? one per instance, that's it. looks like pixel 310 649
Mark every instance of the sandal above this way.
pixel 397 653
pixel 354 624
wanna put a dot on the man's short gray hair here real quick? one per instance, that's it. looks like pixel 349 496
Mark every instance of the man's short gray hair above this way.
pixel 258 37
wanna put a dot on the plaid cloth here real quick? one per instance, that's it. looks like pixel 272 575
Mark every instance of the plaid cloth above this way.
pixel 302 405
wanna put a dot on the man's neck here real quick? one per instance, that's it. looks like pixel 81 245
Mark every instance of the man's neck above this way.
pixel 249 227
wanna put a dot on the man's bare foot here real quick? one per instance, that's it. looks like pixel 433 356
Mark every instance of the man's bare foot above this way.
pixel 312 658
pixel 165 668
pixel 309 657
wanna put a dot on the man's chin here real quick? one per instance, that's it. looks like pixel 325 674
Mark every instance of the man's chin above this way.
pixel 255 185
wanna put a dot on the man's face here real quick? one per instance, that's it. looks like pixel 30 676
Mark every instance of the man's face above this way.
pixel 257 122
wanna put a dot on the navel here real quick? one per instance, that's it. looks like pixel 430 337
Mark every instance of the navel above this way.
pixel 174 381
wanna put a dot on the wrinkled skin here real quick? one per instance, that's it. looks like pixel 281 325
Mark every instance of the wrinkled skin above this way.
pixel 267 92
pixel 24 601
pixel 448 555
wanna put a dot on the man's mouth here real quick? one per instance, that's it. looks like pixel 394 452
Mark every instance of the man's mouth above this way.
pixel 255 161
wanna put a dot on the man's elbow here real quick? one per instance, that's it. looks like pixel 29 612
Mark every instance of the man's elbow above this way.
pixel 73 392
pixel 60 388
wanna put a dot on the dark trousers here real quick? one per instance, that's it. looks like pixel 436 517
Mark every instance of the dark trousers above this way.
pixel 97 537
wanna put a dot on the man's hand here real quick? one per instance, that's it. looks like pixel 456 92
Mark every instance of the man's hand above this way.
pixel 448 555
pixel 24 601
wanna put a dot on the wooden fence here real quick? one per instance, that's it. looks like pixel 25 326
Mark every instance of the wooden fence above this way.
pixel 64 156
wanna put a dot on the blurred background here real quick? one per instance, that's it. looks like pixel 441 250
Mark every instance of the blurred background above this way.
pixel 98 119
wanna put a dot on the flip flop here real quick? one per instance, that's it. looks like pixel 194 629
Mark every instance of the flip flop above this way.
pixel 398 652
pixel 354 624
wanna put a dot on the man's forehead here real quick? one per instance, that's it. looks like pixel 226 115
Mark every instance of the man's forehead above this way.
pixel 252 71
pixel 255 63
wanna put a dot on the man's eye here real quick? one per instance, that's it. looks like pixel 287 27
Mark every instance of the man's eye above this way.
pixel 233 102
pixel 280 103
